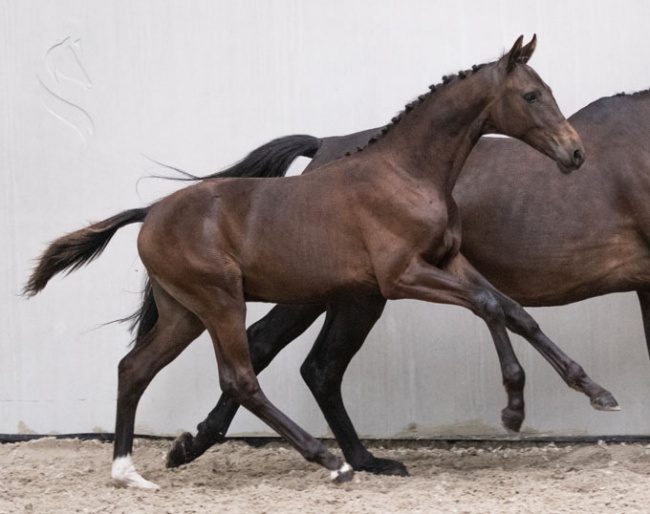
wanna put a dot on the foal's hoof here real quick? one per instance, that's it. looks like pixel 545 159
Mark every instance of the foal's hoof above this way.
pixel 124 473
pixel 605 402
pixel 512 419
pixel 383 467
pixel 344 474
pixel 181 451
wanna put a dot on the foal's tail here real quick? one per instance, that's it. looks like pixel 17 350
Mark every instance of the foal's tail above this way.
pixel 269 160
pixel 77 249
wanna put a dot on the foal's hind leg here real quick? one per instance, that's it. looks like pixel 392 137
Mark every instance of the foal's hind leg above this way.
pixel 267 338
pixel 174 330
pixel 223 313
pixel 346 327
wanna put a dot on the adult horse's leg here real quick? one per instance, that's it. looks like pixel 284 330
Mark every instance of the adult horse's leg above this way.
pixel 267 337
pixel 523 324
pixel 346 327
pixel 174 330
pixel 644 302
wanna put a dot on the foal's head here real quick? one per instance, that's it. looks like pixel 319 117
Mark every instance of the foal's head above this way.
pixel 524 108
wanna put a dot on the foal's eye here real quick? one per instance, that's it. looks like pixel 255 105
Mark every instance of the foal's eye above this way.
pixel 531 97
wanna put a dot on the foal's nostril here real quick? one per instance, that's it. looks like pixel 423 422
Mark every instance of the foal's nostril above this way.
pixel 578 157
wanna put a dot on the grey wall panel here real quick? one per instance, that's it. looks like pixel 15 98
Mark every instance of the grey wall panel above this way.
pixel 90 89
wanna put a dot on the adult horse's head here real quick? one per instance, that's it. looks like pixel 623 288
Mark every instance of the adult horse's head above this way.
pixel 525 108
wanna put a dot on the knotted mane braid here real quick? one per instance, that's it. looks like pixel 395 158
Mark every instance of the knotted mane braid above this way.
pixel 446 79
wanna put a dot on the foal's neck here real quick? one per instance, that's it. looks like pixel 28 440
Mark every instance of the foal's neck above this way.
pixel 432 141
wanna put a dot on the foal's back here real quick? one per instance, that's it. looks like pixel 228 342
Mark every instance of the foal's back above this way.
pixel 280 237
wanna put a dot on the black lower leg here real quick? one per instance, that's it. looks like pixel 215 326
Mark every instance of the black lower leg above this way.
pixel 210 431
pixel 345 330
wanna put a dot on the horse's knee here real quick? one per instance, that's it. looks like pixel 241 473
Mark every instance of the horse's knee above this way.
pixel 576 375
pixel 489 308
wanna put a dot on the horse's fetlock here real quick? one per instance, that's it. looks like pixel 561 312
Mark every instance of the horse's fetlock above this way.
pixel 576 375
pixel 514 377
pixel 314 451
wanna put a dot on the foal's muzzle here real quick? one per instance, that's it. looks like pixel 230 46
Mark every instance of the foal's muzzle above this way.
pixel 575 159
pixel 578 158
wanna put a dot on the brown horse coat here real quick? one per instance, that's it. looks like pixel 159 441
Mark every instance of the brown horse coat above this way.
pixel 380 223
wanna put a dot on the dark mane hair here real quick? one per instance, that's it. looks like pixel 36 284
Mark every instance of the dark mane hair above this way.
pixel 636 93
pixel 446 80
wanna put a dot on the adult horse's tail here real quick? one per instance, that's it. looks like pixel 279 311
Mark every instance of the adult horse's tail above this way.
pixel 78 248
pixel 269 160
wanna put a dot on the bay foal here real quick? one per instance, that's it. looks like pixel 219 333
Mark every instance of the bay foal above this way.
pixel 377 224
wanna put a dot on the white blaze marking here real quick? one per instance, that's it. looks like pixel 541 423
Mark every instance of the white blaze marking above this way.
pixel 124 472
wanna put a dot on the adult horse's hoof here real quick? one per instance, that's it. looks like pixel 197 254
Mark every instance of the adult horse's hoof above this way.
pixel 512 419
pixel 181 451
pixel 386 467
pixel 605 402
pixel 344 474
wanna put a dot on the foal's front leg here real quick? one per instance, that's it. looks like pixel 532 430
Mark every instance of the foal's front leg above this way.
pixel 523 324
pixel 422 281
pixel 460 284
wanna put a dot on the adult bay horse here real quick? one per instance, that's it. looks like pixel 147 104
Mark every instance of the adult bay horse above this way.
pixel 545 243
pixel 387 227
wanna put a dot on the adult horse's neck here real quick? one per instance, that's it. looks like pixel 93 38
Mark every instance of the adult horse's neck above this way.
pixel 433 137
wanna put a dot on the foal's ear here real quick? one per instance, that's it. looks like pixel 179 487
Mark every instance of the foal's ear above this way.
pixel 518 54
pixel 510 59
pixel 528 50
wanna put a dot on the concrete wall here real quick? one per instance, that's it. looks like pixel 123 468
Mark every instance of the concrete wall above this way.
pixel 90 90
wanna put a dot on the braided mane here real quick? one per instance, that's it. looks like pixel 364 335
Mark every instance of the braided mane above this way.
pixel 446 80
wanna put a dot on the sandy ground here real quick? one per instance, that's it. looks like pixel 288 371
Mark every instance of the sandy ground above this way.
pixel 68 476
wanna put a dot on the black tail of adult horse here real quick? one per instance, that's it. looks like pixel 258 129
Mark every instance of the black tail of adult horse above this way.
pixel 270 160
